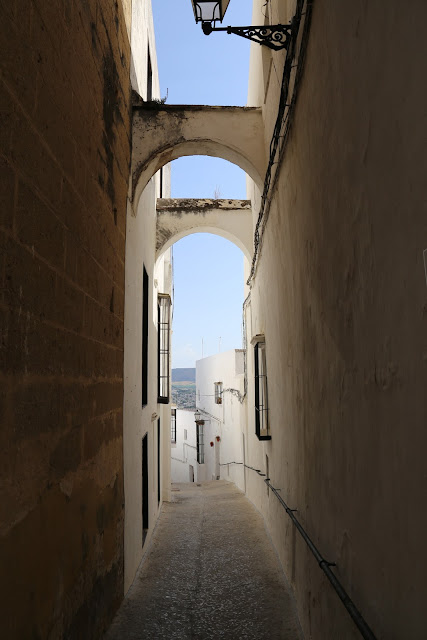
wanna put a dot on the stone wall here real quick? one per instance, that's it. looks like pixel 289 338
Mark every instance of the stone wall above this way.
pixel 344 318
pixel 65 153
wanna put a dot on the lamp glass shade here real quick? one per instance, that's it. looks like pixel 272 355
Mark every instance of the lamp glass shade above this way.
pixel 209 10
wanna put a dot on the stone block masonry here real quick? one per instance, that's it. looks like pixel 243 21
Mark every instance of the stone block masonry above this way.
pixel 64 167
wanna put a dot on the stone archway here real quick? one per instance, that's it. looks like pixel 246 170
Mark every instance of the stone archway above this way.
pixel 230 219
pixel 162 133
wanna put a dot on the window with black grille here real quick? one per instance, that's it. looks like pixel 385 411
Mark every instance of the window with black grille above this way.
pixel 163 352
pixel 262 426
pixel 144 487
pixel 144 349
pixel 173 425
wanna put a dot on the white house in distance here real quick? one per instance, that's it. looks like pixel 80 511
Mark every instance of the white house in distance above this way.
pixel 202 443
pixel 184 467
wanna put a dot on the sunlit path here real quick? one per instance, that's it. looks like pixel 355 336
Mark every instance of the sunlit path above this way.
pixel 210 572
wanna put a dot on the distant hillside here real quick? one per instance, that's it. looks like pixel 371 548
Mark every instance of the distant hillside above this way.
pixel 184 375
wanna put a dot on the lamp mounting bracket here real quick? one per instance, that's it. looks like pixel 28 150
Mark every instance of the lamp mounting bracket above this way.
pixel 274 36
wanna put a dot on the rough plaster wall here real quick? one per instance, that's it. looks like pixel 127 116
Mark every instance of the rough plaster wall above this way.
pixel 346 327
pixel 64 170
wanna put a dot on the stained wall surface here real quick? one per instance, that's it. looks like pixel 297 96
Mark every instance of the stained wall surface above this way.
pixel 344 317
pixel 178 217
pixel 65 153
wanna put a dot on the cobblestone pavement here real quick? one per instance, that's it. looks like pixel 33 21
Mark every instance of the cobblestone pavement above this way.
pixel 210 572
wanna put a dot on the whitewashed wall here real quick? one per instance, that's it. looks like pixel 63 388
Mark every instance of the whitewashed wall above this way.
pixel 340 296
pixel 142 39
pixel 140 250
pixel 225 420
pixel 184 451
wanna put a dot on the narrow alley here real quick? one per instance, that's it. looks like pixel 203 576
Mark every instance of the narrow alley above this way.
pixel 114 115
pixel 210 571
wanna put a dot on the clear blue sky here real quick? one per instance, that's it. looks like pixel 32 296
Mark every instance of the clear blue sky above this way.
pixel 208 270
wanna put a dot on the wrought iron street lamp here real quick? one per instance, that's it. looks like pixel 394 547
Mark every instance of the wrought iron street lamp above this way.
pixel 209 12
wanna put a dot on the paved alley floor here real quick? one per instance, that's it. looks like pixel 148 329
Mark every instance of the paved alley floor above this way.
pixel 210 572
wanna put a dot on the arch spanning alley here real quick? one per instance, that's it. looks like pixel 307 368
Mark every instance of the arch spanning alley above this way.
pixel 230 219
pixel 162 133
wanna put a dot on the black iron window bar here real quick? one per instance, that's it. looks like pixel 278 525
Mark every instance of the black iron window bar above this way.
pixel 365 631
pixel 163 347
pixel 262 427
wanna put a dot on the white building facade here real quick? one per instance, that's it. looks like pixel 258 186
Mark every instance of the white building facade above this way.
pixel 147 332
pixel 184 465
pixel 220 395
